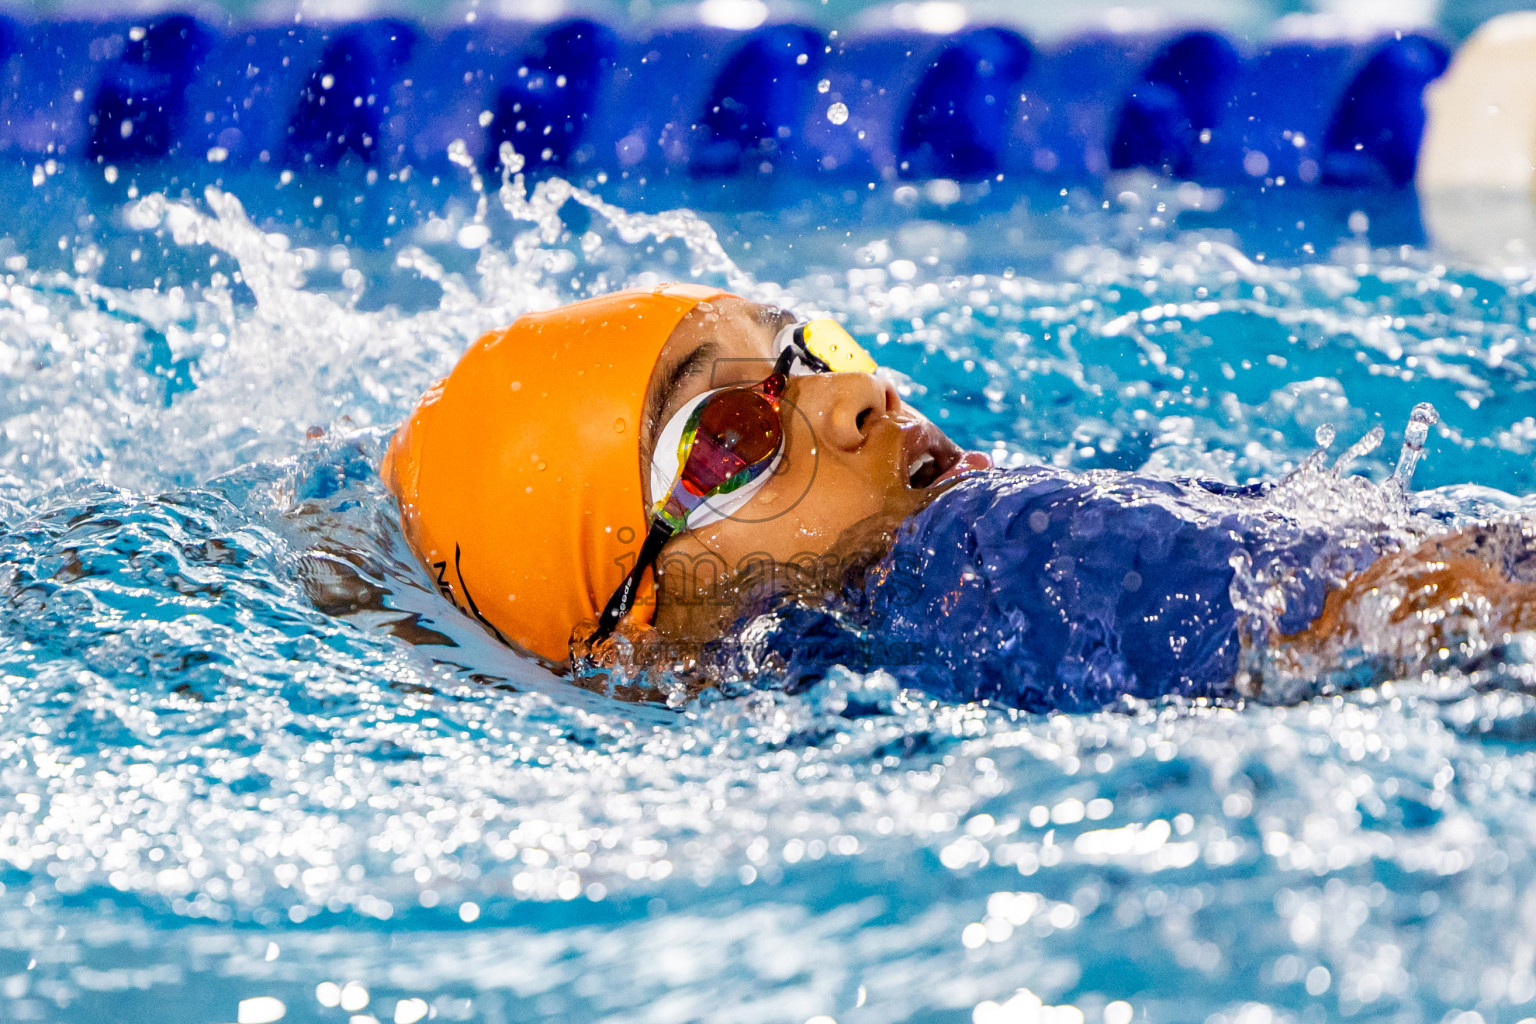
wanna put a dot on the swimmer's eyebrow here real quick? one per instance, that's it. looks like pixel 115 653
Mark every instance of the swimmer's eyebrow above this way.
pixel 775 318
pixel 696 362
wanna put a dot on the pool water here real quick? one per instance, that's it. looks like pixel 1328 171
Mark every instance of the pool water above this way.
pixel 232 786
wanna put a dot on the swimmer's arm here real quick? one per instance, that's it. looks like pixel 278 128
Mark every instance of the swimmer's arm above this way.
pixel 1452 597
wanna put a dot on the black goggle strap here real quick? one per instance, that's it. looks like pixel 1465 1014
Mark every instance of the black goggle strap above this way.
pixel 798 349
pixel 623 599
pixel 786 360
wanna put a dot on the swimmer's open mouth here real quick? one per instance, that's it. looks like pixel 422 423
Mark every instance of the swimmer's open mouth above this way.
pixel 928 468
pixel 932 458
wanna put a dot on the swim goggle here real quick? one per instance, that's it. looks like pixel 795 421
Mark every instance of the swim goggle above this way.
pixel 721 447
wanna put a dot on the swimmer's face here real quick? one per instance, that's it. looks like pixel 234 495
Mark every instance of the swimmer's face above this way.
pixel 853 453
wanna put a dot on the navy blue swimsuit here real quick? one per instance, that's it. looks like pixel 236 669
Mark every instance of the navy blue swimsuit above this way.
pixel 1047 591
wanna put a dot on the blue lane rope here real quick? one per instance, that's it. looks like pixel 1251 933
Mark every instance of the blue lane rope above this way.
pixel 707 103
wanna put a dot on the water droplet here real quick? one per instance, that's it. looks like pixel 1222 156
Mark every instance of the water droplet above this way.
pixel 409 1011
pixel 260 1010
pixel 541 467
pixel 618 425
pixel 824 85
pixel 837 113
pixel 1420 420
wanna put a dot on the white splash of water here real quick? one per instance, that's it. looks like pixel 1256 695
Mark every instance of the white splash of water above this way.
pixel 549 195
pixel 1333 498
pixel 260 377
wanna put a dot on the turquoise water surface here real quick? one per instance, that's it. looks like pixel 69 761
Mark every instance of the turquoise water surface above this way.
pixel 231 788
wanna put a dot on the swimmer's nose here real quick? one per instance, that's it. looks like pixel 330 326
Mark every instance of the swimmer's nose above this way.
pixel 844 407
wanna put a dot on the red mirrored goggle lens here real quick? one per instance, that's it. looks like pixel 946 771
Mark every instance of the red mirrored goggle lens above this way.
pixel 737 430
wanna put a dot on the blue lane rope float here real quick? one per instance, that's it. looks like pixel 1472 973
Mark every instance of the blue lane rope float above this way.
pixel 707 102
pixel 916 104
pixel 957 121
pixel 141 102
pixel 1103 101
pixel 1328 111
pixel 700 102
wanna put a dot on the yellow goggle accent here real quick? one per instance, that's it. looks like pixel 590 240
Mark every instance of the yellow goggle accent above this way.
pixel 827 342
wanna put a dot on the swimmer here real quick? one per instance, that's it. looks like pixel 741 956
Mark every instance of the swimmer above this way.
pixel 680 483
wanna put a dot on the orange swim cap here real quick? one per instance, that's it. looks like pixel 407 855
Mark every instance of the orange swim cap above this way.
pixel 518 474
